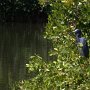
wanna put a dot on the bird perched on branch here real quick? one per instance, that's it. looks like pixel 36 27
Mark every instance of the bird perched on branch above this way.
pixel 82 44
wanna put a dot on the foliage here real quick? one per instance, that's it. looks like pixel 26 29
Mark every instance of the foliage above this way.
pixel 63 74
pixel 11 9
pixel 69 71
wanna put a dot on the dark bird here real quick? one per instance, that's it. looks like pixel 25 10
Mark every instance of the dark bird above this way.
pixel 82 44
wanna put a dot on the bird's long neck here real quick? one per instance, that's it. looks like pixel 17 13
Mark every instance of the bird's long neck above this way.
pixel 77 37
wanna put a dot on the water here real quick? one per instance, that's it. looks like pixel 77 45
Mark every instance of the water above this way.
pixel 18 41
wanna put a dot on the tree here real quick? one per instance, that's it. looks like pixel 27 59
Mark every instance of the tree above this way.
pixel 11 10
pixel 68 71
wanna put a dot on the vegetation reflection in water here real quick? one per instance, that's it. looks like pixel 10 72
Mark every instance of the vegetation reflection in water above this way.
pixel 18 42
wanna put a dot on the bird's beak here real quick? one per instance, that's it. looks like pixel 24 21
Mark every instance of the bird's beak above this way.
pixel 75 31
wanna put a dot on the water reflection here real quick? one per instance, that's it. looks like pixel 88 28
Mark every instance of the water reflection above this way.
pixel 18 41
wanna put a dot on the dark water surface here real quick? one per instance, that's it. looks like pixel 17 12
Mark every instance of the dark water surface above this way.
pixel 18 41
